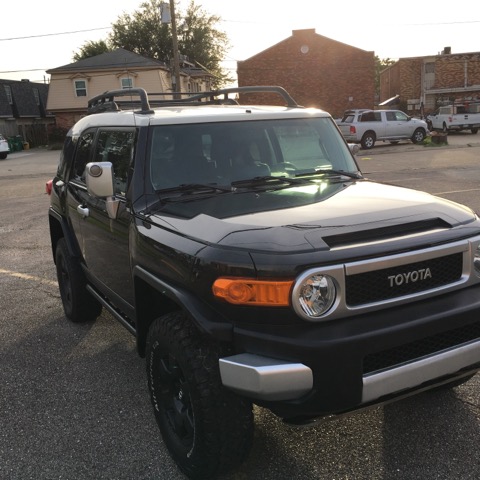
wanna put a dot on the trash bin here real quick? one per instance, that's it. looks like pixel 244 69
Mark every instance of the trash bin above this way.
pixel 19 143
pixel 26 146
pixel 11 144
pixel 15 143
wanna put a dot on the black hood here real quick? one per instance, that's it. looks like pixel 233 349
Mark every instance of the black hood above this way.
pixel 352 213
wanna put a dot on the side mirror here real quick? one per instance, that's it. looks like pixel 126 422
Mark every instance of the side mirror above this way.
pixel 99 177
pixel 100 183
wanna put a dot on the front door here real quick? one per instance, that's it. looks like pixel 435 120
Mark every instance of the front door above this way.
pixel 398 125
pixel 104 242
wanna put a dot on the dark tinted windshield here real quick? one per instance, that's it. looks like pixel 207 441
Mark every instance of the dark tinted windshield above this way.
pixel 221 153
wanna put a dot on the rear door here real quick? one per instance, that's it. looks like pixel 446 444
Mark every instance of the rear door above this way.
pixel 372 122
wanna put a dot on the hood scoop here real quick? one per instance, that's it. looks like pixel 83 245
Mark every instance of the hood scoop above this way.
pixel 385 233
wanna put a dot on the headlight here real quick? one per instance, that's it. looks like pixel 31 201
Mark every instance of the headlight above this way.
pixel 315 295
pixel 476 261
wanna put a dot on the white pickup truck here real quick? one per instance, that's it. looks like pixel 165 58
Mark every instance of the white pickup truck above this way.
pixel 456 117
pixel 368 126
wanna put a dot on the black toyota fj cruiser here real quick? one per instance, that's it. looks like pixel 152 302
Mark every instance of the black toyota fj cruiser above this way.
pixel 254 263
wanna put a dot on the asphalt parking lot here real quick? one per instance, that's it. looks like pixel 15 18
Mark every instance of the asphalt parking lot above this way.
pixel 74 403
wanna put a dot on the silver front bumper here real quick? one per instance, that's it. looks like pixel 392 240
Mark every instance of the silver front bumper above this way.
pixel 265 378
pixel 423 370
pixel 270 379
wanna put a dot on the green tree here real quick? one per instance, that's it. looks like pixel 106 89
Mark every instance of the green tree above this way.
pixel 202 42
pixel 91 49
pixel 381 64
pixel 198 38
pixel 143 33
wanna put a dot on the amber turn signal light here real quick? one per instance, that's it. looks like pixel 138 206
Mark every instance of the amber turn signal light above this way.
pixel 246 291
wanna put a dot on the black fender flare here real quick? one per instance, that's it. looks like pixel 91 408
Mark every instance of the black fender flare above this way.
pixel 59 228
pixel 202 315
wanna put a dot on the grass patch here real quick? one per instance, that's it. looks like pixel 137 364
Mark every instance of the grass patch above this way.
pixel 430 142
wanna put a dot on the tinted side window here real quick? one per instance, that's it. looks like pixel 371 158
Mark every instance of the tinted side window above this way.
pixel 83 155
pixel 116 147
pixel 65 157
pixel 371 117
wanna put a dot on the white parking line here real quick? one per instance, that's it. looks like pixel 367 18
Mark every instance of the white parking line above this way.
pixel 25 276
pixel 458 191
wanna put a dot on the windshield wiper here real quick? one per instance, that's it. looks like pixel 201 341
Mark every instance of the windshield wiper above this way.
pixel 267 181
pixel 190 191
pixel 193 188
pixel 330 172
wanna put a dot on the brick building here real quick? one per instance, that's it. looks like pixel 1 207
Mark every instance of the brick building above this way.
pixel 317 72
pixel 425 83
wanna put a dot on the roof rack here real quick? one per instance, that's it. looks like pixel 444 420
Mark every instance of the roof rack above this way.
pixel 106 101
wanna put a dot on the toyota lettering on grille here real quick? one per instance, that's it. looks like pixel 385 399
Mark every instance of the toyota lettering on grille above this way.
pixel 409 277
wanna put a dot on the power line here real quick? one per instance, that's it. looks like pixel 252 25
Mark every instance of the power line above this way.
pixel 53 34
pixel 441 23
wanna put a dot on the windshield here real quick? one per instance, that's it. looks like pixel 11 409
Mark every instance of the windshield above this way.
pixel 234 168
pixel 222 153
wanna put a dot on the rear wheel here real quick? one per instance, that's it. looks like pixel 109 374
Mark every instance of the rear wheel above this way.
pixel 418 135
pixel 3 155
pixel 78 304
pixel 368 140
pixel 207 428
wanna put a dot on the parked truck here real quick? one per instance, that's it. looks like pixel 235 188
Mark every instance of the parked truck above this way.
pixel 456 118
pixel 369 126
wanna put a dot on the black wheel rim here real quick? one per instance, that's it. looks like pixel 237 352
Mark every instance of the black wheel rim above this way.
pixel 175 399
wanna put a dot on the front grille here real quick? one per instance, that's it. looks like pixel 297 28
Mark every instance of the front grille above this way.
pixel 390 283
pixel 420 348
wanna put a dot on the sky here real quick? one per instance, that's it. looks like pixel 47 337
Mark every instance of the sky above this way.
pixel 41 35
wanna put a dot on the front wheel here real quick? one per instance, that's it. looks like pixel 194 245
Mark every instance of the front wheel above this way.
pixel 368 140
pixel 78 304
pixel 418 135
pixel 207 428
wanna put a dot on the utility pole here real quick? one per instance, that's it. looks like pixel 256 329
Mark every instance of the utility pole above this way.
pixel 176 58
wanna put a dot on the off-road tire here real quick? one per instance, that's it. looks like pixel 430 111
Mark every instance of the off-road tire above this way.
pixel 207 428
pixel 368 140
pixel 78 304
